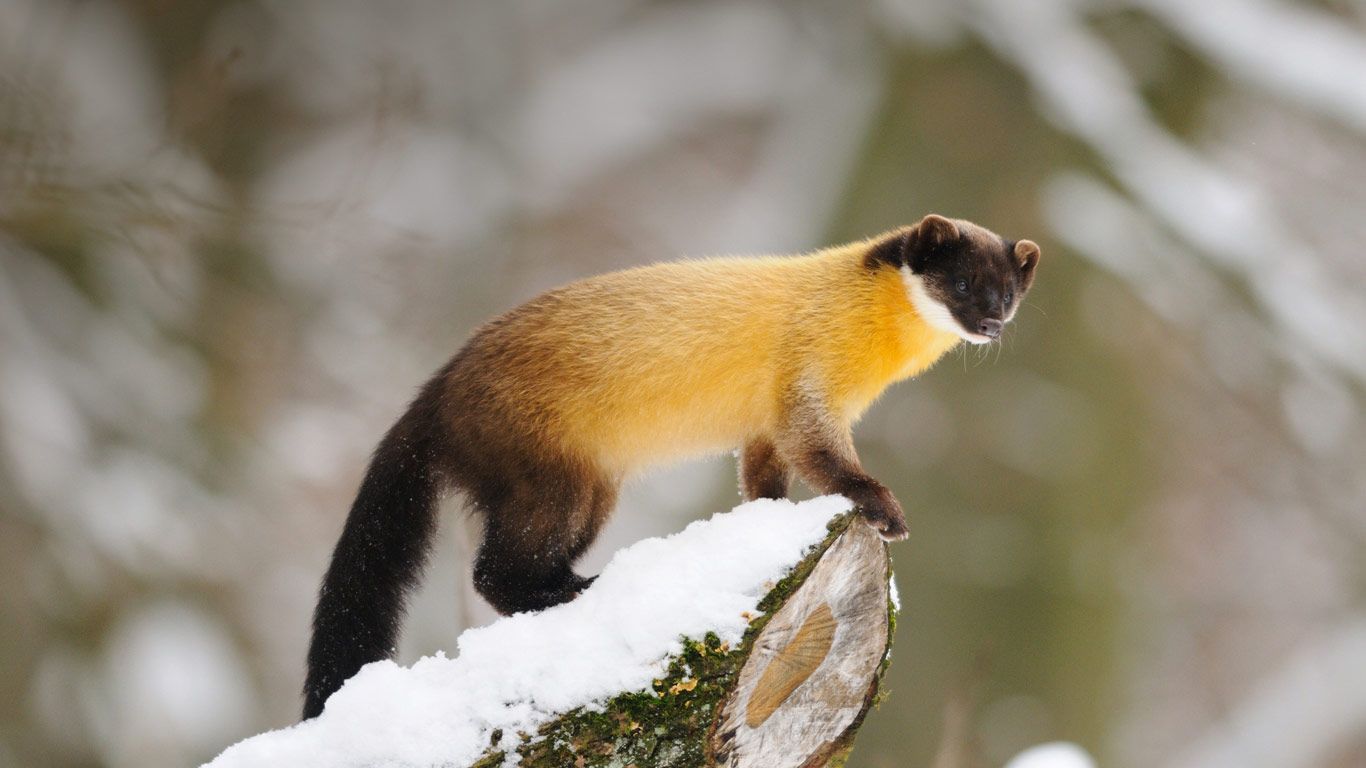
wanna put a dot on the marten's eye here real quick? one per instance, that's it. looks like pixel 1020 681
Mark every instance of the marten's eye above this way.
pixel 1009 298
pixel 961 286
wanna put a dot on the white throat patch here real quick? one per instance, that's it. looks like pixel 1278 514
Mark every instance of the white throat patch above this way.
pixel 933 311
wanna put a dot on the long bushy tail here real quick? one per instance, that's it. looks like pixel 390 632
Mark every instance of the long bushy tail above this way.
pixel 379 557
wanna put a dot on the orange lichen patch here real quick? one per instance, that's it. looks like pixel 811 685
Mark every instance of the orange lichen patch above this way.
pixel 792 665
pixel 686 684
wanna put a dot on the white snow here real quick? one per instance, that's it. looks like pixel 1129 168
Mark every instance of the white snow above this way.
pixel 1056 754
pixel 518 672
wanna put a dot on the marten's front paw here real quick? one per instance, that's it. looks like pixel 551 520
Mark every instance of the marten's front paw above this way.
pixel 890 524
pixel 880 510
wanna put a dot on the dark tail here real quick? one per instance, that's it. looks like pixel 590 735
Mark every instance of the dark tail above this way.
pixel 380 555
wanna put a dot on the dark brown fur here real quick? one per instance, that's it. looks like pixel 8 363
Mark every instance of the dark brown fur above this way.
pixel 997 272
pixel 763 473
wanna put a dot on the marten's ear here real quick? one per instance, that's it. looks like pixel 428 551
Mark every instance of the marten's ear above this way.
pixel 935 230
pixel 1027 257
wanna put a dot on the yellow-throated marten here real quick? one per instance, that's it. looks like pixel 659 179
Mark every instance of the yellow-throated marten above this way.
pixel 547 408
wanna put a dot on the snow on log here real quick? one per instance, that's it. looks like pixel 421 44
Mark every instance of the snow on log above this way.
pixel 755 638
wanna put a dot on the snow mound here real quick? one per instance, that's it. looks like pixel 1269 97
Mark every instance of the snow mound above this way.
pixel 1056 754
pixel 519 672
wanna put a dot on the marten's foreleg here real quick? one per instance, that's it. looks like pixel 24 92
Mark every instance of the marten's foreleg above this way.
pixel 821 447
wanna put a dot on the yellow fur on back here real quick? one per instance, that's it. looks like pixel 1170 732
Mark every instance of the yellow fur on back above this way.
pixel 670 361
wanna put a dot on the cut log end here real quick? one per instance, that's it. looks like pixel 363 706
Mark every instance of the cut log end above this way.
pixel 814 668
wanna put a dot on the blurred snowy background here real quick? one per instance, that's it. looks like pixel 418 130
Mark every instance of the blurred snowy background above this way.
pixel 235 236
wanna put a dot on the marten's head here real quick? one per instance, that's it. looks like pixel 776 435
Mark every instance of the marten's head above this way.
pixel 961 278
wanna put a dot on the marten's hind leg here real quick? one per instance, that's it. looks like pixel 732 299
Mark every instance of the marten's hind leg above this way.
pixel 763 473
pixel 593 514
pixel 535 527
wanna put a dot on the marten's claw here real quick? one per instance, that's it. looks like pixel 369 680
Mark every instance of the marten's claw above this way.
pixel 889 527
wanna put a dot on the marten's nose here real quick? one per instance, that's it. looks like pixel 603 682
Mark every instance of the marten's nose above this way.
pixel 990 327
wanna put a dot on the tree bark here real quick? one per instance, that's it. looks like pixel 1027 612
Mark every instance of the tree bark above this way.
pixel 792 695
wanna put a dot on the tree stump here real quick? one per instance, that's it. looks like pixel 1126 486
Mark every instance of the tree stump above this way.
pixel 792 695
